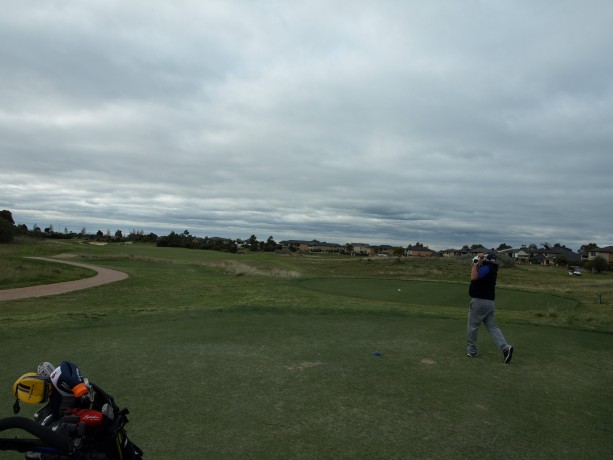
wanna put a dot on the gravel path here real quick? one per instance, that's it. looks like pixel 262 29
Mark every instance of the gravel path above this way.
pixel 104 276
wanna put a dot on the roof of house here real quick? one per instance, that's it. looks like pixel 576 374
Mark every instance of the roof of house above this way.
pixel 480 249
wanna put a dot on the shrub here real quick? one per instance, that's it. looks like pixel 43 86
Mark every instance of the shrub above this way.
pixel 599 264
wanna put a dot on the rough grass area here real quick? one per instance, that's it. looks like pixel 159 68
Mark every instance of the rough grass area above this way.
pixel 23 272
pixel 237 268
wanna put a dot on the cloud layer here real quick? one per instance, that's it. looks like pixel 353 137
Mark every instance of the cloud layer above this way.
pixel 442 122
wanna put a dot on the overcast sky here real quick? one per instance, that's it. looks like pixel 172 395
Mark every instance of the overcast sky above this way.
pixel 385 122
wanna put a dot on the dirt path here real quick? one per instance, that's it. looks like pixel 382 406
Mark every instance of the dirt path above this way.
pixel 104 276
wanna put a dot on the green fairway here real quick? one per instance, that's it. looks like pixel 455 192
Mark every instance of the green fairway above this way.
pixel 257 356
pixel 434 294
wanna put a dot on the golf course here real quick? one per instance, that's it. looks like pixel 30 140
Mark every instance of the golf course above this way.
pixel 271 356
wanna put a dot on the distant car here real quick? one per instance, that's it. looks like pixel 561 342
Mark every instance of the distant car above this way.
pixel 574 272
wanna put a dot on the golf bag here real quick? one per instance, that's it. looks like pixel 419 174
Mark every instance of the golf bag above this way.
pixel 80 420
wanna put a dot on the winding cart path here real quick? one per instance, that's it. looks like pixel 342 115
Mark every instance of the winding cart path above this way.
pixel 103 276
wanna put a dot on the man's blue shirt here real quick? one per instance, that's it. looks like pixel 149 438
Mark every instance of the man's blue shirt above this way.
pixel 483 270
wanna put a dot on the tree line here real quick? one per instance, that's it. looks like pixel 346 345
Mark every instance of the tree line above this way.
pixel 9 229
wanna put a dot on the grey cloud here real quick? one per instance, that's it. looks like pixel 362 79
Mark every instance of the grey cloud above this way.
pixel 443 122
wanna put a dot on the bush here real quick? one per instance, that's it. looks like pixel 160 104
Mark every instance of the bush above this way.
pixel 599 265
pixel 505 261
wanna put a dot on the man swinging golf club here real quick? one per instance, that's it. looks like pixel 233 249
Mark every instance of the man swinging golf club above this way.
pixel 482 291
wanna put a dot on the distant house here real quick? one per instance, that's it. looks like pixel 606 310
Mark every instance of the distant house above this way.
pixel 606 253
pixel 295 245
pixel 553 255
pixel 322 246
pixel 522 255
pixel 542 256
pixel 419 251
pixel 214 242
pixel 465 251
pixel 511 252
pixel 310 246
pixel 362 249
pixel 454 252
pixel 478 249
pixel 385 250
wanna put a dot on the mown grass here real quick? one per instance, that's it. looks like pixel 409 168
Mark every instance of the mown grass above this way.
pixel 264 356
pixel 280 384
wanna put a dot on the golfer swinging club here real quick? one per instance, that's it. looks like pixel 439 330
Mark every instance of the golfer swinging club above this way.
pixel 482 291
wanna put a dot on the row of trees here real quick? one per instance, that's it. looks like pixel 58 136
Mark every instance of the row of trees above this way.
pixel 185 240
pixel 8 230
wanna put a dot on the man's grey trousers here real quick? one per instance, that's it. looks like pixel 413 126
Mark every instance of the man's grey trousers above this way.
pixel 483 311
